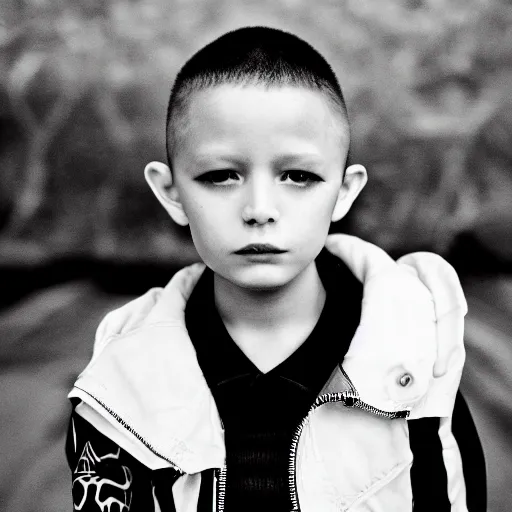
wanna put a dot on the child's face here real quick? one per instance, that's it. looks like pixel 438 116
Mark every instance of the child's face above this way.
pixel 262 165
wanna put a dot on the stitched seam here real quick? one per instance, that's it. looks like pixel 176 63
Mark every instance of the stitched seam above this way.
pixel 130 429
pixel 378 484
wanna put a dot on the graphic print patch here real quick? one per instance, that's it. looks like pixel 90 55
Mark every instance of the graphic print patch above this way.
pixel 98 485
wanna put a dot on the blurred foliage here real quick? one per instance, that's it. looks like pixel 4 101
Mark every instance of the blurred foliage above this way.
pixel 83 91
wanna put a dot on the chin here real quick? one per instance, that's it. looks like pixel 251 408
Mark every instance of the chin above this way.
pixel 261 277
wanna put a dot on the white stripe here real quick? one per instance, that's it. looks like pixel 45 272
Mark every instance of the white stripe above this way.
pixel 453 465
pixel 185 492
pixel 214 501
pixel 155 501
pixel 74 432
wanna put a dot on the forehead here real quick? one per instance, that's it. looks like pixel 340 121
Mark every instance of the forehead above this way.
pixel 259 115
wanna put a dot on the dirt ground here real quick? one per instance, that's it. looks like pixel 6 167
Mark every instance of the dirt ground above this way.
pixel 47 339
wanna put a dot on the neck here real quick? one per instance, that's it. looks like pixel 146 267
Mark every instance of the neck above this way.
pixel 269 325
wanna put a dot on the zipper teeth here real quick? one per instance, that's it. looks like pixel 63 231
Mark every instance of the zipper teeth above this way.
pixel 221 488
pixel 391 415
pixel 291 463
pixel 349 399
pixel 133 432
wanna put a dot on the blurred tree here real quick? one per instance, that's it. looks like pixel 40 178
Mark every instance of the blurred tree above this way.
pixel 83 93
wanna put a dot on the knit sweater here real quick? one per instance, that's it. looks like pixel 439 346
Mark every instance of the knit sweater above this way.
pixel 261 411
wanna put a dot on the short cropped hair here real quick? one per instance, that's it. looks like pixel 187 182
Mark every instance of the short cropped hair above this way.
pixel 250 55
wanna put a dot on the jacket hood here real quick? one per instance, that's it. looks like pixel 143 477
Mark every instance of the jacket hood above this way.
pixel 406 332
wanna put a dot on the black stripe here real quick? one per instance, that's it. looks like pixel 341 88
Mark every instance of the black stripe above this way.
pixel 471 451
pixel 428 474
pixel 204 503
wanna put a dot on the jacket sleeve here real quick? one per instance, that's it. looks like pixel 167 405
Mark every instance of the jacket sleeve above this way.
pixel 430 478
pixel 105 477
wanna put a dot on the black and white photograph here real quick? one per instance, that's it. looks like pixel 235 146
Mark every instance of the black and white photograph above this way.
pixel 255 256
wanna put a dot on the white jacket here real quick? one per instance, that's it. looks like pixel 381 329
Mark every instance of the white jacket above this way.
pixel 144 389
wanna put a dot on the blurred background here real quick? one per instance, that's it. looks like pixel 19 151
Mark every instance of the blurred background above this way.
pixel 83 91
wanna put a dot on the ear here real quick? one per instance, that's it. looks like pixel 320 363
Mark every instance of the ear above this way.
pixel 159 178
pixel 354 181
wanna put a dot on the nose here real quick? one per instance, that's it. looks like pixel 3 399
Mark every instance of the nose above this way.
pixel 260 205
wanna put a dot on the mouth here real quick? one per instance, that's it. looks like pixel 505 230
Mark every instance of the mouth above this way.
pixel 260 249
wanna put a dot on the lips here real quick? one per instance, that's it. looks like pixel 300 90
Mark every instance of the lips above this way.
pixel 260 249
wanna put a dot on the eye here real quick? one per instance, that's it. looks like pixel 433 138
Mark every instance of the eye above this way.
pixel 221 177
pixel 299 177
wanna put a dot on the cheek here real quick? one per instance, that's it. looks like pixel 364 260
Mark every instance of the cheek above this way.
pixel 311 226
pixel 202 227
pixel 314 214
pixel 196 207
pixel 207 223
pixel 206 242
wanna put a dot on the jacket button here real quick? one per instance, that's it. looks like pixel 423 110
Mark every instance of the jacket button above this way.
pixel 405 380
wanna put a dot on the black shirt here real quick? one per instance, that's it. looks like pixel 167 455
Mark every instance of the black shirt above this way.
pixel 261 411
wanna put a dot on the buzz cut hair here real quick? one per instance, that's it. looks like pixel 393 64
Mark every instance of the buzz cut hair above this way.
pixel 251 56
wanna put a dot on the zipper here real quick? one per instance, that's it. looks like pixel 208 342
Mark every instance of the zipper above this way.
pixel 220 488
pixel 350 398
pixel 133 432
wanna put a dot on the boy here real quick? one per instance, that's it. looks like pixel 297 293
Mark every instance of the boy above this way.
pixel 238 400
